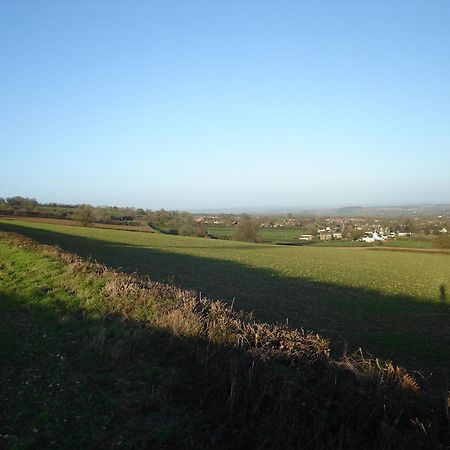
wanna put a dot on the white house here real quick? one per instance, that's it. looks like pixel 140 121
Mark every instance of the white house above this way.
pixel 373 236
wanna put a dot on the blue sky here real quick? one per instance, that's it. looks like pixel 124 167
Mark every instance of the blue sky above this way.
pixel 221 104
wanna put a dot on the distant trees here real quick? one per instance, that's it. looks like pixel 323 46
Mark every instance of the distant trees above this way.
pixel 186 229
pixel 3 206
pixel 408 226
pixel 22 202
pixel 85 214
pixel 101 215
pixel 19 205
pixel 200 230
pixel 246 230
pixel 356 234
pixel 161 216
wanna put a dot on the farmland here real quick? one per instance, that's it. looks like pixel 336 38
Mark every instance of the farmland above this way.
pixel 291 236
pixel 383 301
pixel 94 358
pixel 267 235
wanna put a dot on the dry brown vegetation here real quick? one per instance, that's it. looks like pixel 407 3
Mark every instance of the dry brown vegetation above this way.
pixel 258 385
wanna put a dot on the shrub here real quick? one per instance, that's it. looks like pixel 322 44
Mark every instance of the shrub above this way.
pixel 85 214
pixel 246 230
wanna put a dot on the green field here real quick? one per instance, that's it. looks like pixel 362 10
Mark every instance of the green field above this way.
pixel 267 235
pixel 409 243
pixel 98 359
pixel 395 243
pixel 388 302
pixel 220 232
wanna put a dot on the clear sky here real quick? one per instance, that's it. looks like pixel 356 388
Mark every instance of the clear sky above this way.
pixel 225 103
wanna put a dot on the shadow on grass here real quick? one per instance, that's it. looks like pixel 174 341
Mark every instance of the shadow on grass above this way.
pixel 389 326
pixel 74 379
pixel 65 383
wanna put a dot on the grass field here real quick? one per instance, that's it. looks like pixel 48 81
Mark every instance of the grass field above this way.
pixel 267 235
pixel 220 232
pixel 409 243
pixel 388 302
pixel 70 222
pixel 94 358
pixel 391 243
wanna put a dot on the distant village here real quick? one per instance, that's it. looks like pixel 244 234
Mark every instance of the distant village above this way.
pixel 361 229
pixel 369 229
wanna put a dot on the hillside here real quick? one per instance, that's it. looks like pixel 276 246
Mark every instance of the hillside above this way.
pixel 383 301
pixel 99 359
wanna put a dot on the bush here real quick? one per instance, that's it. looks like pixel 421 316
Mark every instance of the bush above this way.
pixel 246 230
pixel 85 214
pixel 186 230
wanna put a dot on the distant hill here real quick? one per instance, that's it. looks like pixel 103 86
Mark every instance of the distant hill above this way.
pixel 383 211
pixel 348 211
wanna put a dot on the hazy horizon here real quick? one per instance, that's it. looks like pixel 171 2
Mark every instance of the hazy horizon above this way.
pixel 282 209
pixel 226 105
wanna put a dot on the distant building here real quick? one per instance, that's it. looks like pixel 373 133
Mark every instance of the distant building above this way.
pixel 325 235
pixel 306 237
pixel 337 236
pixel 373 236
pixel 444 230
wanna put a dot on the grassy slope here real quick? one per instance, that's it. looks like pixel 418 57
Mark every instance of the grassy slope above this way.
pixel 76 223
pixel 65 374
pixel 383 301
pixel 76 374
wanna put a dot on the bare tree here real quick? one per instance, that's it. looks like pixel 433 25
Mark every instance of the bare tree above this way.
pixel 85 214
pixel 246 230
